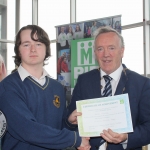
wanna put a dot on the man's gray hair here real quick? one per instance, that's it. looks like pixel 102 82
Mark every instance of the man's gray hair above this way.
pixel 108 29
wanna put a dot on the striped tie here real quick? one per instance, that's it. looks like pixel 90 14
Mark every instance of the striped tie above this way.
pixel 108 89
pixel 107 92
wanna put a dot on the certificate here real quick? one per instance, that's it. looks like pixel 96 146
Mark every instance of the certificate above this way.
pixel 102 113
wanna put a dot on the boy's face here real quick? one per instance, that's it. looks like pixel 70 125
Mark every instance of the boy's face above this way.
pixel 32 53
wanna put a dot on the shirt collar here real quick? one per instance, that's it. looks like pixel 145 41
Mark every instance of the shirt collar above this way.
pixel 24 73
pixel 115 75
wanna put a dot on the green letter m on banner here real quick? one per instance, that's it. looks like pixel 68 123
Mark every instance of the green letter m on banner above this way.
pixel 85 53
pixel 86 56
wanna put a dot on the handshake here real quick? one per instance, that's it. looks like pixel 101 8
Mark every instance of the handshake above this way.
pixel 84 144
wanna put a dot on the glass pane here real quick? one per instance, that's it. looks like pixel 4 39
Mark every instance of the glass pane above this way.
pixel 10 59
pixel 106 8
pixel 133 55
pixel 51 66
pixel 3 52
pixel 25 12
pixel 52 13
pixel 3 19
pixel 10 19
pixel 0 25
pixel 7 51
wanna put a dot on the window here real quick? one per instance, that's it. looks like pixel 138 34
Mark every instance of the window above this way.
pixel 89 10
pixel 11 19
pixel 25 12
pixel 133 54
pixel 51 66
pixel 10 59
pixel 52 13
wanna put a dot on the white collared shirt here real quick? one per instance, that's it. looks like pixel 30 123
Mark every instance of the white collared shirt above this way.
pixel 115 79
pixel 23 73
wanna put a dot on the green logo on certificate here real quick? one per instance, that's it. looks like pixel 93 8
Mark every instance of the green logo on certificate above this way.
pixel 121 101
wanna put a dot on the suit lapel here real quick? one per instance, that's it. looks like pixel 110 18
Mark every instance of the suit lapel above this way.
pixel 95 85
pixel 122 82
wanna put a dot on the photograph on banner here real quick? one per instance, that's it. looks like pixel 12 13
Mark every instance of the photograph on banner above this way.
pixel 91 26
pixel 63 62
pixel 64 68
pixel 65 80
pixel 62 38
pixel 78 31
pixel 70 35
pixel 67 33
pixel 117 24
pixel 105 22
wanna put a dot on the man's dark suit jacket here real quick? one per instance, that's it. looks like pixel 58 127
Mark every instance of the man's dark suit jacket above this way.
pixel 88 86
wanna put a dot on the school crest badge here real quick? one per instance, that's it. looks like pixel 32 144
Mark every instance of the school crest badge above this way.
pixel 56 101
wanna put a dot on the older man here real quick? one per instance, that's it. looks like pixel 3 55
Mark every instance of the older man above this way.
pixel 109 50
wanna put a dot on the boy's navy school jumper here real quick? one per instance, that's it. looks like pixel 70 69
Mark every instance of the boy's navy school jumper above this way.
pixel 35 115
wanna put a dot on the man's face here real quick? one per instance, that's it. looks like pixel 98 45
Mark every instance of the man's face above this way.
pixel 62 29
pixel 108 52
pixel 77 27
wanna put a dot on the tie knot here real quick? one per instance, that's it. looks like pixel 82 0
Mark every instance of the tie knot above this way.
pixel 108 89
pixel 107 78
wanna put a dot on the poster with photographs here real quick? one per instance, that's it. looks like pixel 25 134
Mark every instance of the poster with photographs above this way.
pixel 77 31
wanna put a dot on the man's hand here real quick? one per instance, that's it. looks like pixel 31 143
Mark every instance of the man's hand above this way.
pixel 84 144
pixel 73 117
pixel 113 137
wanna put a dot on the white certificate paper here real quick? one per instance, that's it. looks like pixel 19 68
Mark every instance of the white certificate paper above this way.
pixel 102 113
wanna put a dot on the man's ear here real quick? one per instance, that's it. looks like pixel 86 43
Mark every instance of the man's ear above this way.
pixel 0 69
pixel 122 52
pixel 2 72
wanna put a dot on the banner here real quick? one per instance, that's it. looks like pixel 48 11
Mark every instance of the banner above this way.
pixel 82 58
pixel 75 49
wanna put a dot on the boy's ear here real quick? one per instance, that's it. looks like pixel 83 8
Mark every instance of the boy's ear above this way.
pixel 4 69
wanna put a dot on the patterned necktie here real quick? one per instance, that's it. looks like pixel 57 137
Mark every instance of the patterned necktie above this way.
pixel 108 89
pixel 107 92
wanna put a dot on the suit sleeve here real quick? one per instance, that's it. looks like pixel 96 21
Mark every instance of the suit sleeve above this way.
pixel 140 107
pixel 76 95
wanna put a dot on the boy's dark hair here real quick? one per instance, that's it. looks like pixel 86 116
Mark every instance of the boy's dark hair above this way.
pixel 41 37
